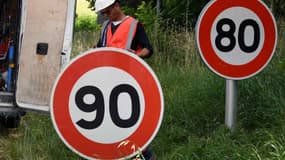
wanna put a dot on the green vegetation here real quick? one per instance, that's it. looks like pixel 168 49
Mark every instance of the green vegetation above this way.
pixel 193 125
pixel 85 18
pixel 35 139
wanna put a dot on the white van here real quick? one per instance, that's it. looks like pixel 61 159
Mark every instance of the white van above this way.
pixel 35 43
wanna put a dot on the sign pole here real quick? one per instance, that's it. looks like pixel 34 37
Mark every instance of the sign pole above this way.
pixel 236 40
pixel 231 104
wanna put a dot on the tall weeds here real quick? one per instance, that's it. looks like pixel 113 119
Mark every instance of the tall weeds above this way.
pixel 83 41
pixel 174 45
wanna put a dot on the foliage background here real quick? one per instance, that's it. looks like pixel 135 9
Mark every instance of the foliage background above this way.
pixel 193 124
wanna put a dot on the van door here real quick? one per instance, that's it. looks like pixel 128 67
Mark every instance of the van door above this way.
pixel 10 19
pixel 45 46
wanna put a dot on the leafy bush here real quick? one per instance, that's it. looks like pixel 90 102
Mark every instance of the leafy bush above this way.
pixel 86 23
pixel 146 14
pixel 128 10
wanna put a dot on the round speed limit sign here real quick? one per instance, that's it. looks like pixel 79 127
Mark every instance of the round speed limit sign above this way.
pixel 107 104
pixel 236 39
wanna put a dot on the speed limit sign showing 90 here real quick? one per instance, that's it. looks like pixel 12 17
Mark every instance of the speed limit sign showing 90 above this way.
pixel 236 39
pixel 107 104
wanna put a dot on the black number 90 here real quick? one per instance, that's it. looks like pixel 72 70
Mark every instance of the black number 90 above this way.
pixel 99 106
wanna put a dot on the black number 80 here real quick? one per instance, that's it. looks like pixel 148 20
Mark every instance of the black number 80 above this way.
pixel 99 106
pixel 241 35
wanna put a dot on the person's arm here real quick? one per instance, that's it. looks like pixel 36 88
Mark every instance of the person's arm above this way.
pixel 141 40
pixel 98 45
pixel 144 53
pixel 100 41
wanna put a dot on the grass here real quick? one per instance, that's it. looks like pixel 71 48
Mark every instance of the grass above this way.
pixel 193 124
pixel 34 140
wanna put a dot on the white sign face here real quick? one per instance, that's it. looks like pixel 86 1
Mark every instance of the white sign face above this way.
pixel 236 39
pixel 237 36
pixel 107 104
pixel 110 79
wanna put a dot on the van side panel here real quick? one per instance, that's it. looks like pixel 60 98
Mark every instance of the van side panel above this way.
pixel 40 53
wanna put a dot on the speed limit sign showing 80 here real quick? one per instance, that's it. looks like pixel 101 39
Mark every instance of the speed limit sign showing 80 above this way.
pixel 236 39
pixel 107 104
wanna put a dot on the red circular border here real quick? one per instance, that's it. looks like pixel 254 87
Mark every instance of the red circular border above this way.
pixel 214 62
pixel 65 83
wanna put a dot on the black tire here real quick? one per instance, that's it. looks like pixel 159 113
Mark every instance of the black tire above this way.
pixel 10 119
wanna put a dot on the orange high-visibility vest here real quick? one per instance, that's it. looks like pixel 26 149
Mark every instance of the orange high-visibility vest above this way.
pixel 123 36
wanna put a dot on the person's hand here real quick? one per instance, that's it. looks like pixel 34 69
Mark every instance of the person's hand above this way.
pixel 144 52
pixel 130 50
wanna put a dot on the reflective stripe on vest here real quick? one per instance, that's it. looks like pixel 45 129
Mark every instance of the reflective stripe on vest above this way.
pixel 131 34
pixel 104 33
pixel 123 36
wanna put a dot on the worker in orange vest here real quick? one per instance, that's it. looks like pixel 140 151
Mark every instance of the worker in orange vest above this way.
pixel 122 31
pixel 125 32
